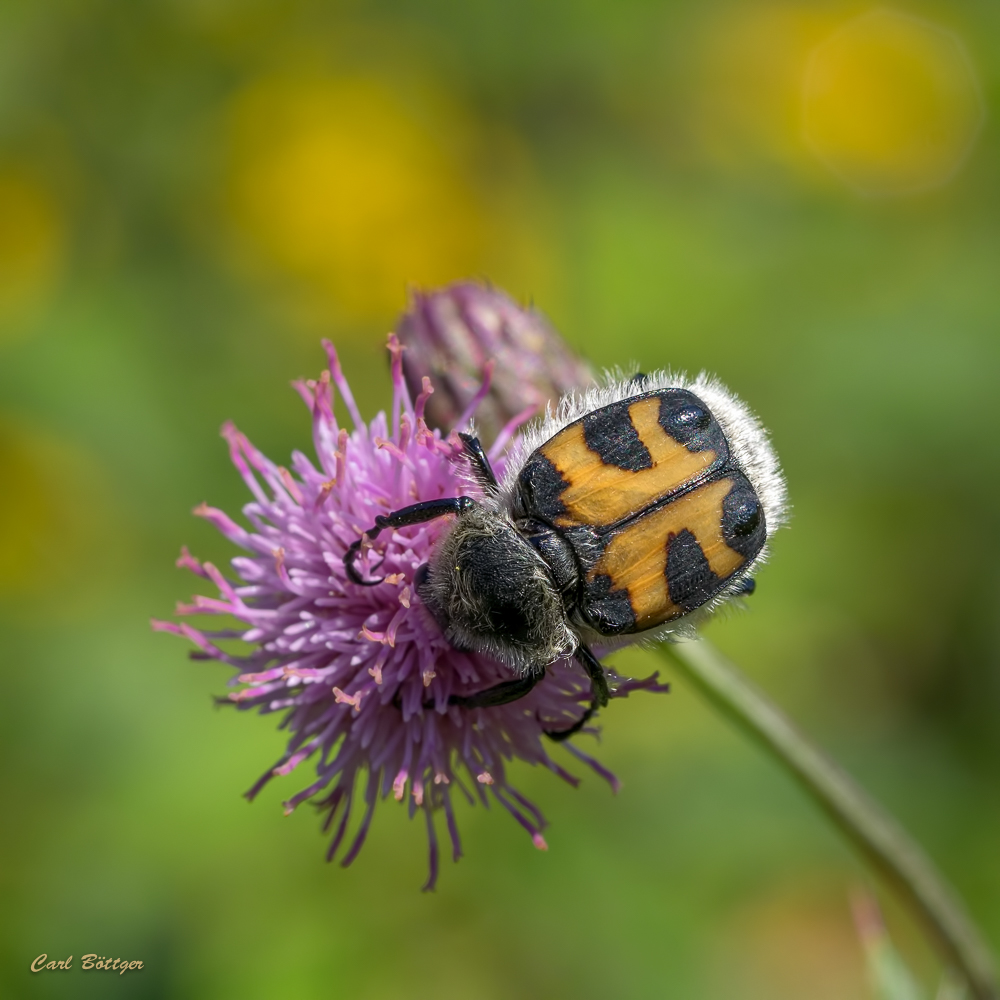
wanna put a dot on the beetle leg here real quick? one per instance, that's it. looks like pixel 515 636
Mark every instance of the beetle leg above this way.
pixel 508 691
pixel 500 694
pixel 480 463
pixel 416 513
pixel 598 679
pixel 598 693
pixel 558 735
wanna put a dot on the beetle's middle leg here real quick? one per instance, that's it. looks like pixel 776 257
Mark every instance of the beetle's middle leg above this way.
pixel 507 691
pixel 500 694
pixel 598 693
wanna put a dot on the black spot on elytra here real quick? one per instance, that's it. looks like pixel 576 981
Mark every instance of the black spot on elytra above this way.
pixel 540 487
pixel 610 434
pixel 690 422
pixel 743 524
pixel 609 611
pixel 690 580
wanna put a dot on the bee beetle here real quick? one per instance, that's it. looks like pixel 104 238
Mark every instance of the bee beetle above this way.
pixel 628 513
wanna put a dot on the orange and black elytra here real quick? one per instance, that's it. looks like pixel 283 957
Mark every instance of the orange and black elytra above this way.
pixel 669 518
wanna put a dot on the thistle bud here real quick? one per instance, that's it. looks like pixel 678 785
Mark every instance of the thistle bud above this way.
pixel 452 334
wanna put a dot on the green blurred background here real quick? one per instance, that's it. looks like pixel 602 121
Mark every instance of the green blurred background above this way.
pixel 800 197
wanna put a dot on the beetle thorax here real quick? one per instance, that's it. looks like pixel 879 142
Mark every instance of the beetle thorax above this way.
pixel 491 592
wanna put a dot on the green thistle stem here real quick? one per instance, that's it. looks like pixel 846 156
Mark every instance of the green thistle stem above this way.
pixel 865 823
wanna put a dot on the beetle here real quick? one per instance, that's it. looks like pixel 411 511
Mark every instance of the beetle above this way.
pixel 628 513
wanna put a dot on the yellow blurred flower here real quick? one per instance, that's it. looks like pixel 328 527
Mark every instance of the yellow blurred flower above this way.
pixel 32 236
pixel 746 89
pixel 891 103
pixel 888 102
pixel 338 184
pixel 25 513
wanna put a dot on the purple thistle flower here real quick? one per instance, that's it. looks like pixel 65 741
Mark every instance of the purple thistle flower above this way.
pixel 363 674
